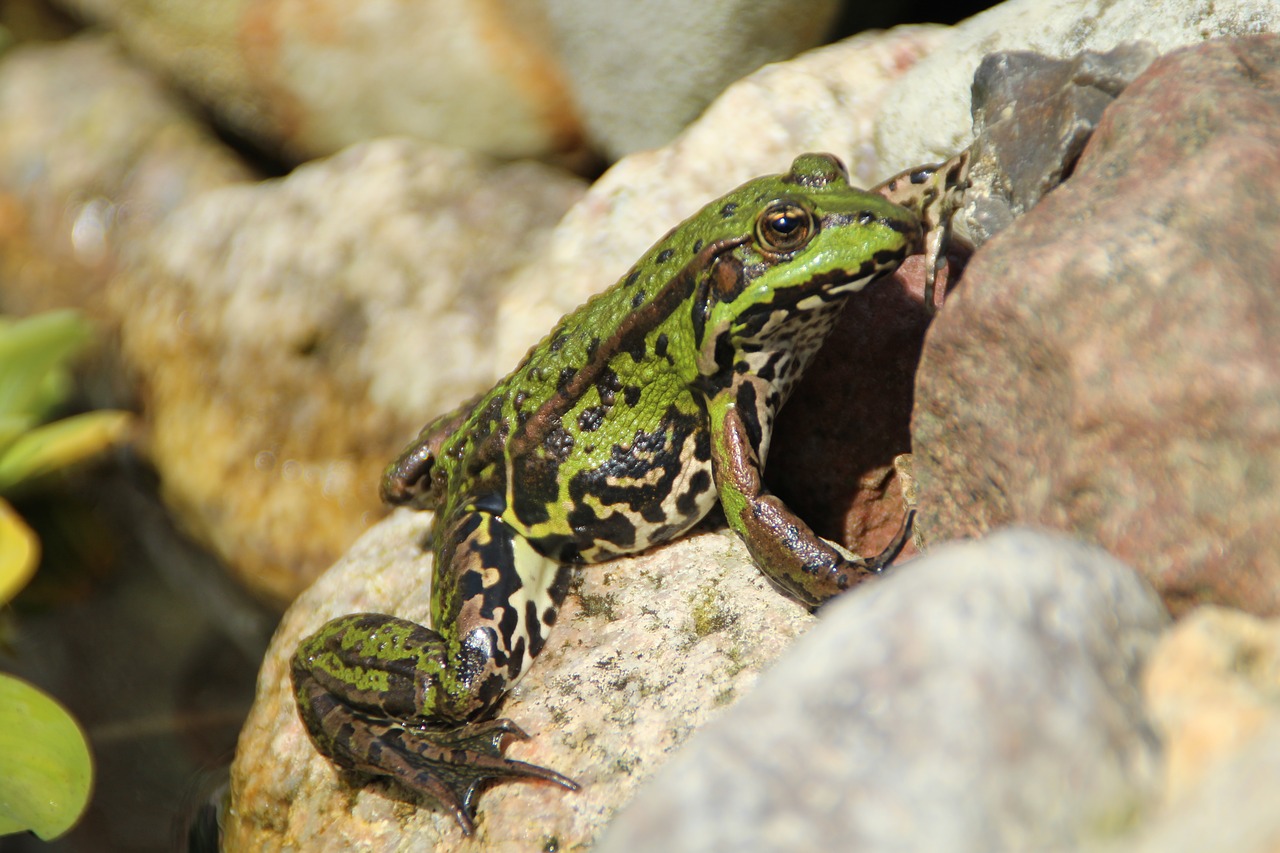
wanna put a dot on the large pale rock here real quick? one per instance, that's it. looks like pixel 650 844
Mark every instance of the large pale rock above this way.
pixel 1107 365
pixel 310 78
pixel 93 154
pixel 927 116
pixel 293 335
pixel 645 650
pixel 983 697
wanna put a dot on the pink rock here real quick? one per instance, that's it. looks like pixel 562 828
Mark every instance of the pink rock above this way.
pixel 1108 366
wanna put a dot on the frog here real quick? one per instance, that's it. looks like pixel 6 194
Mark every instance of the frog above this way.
pixel 621 430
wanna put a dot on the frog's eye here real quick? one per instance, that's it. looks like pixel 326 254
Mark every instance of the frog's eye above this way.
pixel 784 226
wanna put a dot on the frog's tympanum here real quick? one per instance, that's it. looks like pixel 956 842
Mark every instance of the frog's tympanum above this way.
pixel 619 431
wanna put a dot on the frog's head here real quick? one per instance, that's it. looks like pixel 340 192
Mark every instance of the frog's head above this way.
pixel 801 241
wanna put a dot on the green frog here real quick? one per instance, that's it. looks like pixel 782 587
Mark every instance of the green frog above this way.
pixel 619 431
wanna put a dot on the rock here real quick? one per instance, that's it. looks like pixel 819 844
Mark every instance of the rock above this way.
pixel 926 117
pixel 292 336
pixel 645 650
pixel 1234 808
pixel 1032 116
pixel 1213 689
pixel 1106 368
pixel 308 79
pixel 981 698
pixel 93 153
pixel 640 72
pixel 1213 686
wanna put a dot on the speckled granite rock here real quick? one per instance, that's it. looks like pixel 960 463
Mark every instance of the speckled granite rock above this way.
pixel 984 697
pixel 291 336
pixel 645 650
pixel 93 153
pixel 1107 366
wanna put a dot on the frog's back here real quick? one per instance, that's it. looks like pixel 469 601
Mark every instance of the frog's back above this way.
pixel 608 451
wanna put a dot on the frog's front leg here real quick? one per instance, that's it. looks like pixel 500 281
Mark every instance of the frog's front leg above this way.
pixel 802 563
pixel 934 193
pixel 390 697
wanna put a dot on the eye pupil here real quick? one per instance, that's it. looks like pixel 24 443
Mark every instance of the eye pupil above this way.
pixel 784 227
pixel 785 224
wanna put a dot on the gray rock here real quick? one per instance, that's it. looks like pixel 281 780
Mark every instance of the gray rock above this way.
pixel 1032 116
pixel 981 698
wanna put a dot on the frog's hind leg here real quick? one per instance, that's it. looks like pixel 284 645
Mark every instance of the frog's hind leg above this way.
pixel 390 697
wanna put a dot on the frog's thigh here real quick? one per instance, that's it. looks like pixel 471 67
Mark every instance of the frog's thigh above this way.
pixel 786 549
pixel 499 596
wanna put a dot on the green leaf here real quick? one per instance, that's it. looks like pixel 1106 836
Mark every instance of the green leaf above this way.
pixel 59 444
pixel 46 769
pixel 19 552
pixel 12 426
pixel 33 351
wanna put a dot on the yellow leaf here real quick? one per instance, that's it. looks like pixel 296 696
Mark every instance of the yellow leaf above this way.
pixel 19 552
pixel 61 443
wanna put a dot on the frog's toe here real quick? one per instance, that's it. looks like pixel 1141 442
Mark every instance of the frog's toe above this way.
pixel 450 765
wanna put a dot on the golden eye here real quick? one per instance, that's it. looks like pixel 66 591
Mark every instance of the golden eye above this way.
pixel 784 226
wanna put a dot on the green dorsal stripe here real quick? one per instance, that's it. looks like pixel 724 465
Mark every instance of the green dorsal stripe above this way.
pixel 639 323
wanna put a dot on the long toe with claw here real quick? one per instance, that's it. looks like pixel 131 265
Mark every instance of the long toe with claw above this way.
pixel 450 765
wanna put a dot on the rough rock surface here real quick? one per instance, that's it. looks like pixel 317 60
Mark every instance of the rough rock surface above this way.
pixel 292 336
pixel 93 153
pixel 1107 365
pixel 645 650
pixel 926 117
pixel 822 101
pixel 983 697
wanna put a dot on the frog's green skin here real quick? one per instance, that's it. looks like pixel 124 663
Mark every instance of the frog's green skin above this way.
pixel 619 431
